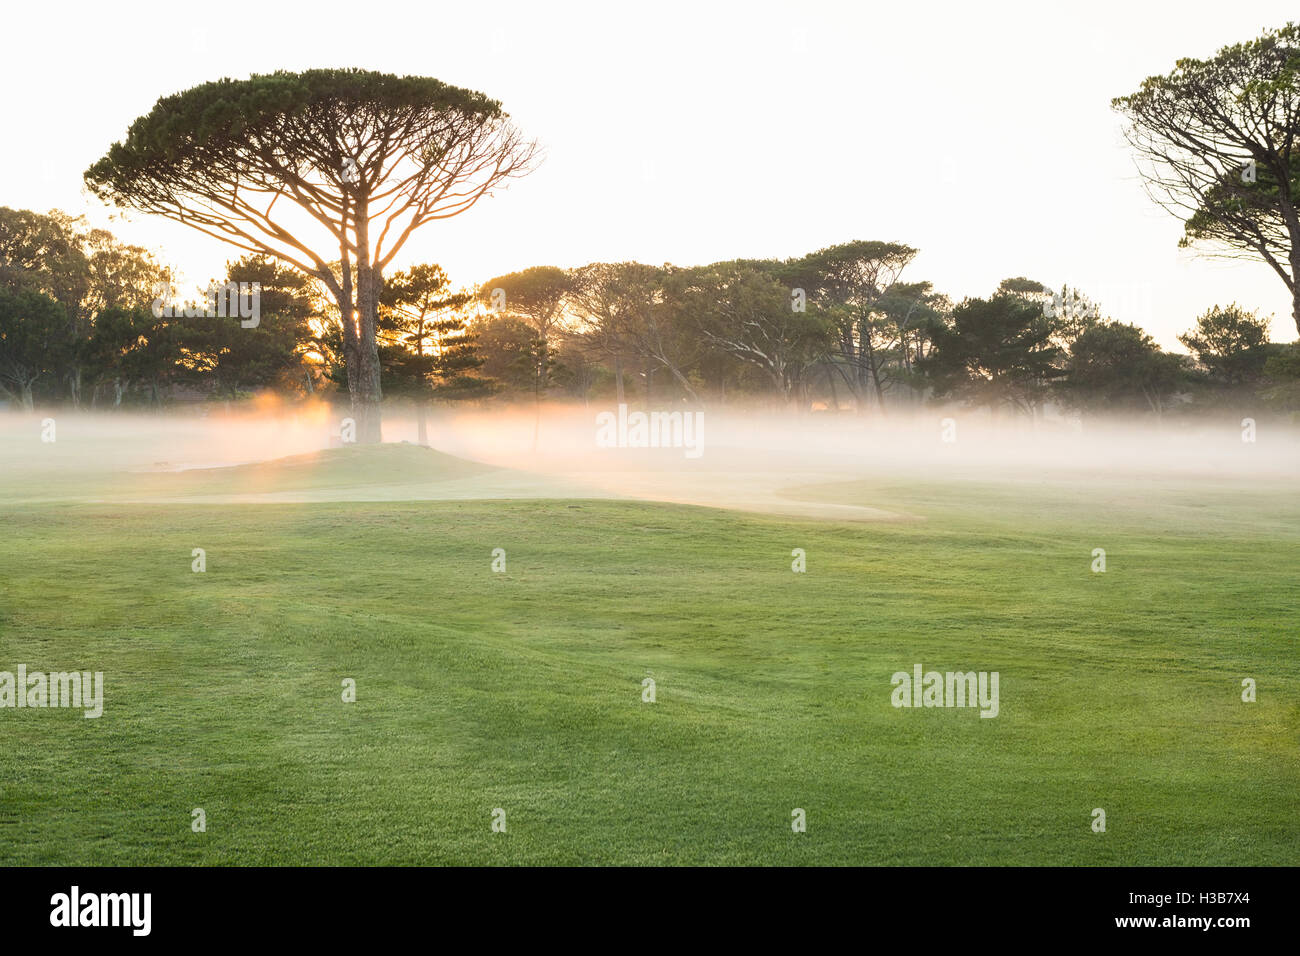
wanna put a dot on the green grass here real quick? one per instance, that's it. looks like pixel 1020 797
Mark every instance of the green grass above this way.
pixel 341 469
pixel 522 690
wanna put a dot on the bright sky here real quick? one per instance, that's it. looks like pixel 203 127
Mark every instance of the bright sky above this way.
pixel 981 133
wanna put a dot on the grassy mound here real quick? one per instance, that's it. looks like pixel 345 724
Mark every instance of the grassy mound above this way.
pixel 352 466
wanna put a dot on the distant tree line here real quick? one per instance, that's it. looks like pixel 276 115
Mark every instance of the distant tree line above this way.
pixel 837 329
pixel 841 329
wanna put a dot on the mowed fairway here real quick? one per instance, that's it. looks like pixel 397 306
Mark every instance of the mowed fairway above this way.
pixel 523 690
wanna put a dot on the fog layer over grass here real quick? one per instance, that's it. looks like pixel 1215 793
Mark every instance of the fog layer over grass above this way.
pixel 750 460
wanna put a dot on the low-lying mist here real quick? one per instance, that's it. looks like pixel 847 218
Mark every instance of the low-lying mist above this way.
pixel 729 457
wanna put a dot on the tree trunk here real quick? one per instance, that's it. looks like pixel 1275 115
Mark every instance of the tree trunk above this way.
pixel 537 408
pixel 366 401
pixel 361 356
pixel 870 371
pixel 360 348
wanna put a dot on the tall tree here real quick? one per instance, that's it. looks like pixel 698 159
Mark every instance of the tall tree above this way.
pixel 1229 345
pixel 121 276
pixel 657 324
pixel 133 347
pixel 34 338
pixel 996 352
pixel 509 349
pixel 1217 146
pixel 1119 368
pixel 430 345
pixel 629 309
pixel 317 167
pixel 848 281
pixel 44 254
pixel 599 300
pixel 536 296
pixel 221 353
pixel 744 309
pixel 910 313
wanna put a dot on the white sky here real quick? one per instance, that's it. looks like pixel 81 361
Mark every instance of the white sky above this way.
pixel 981 133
